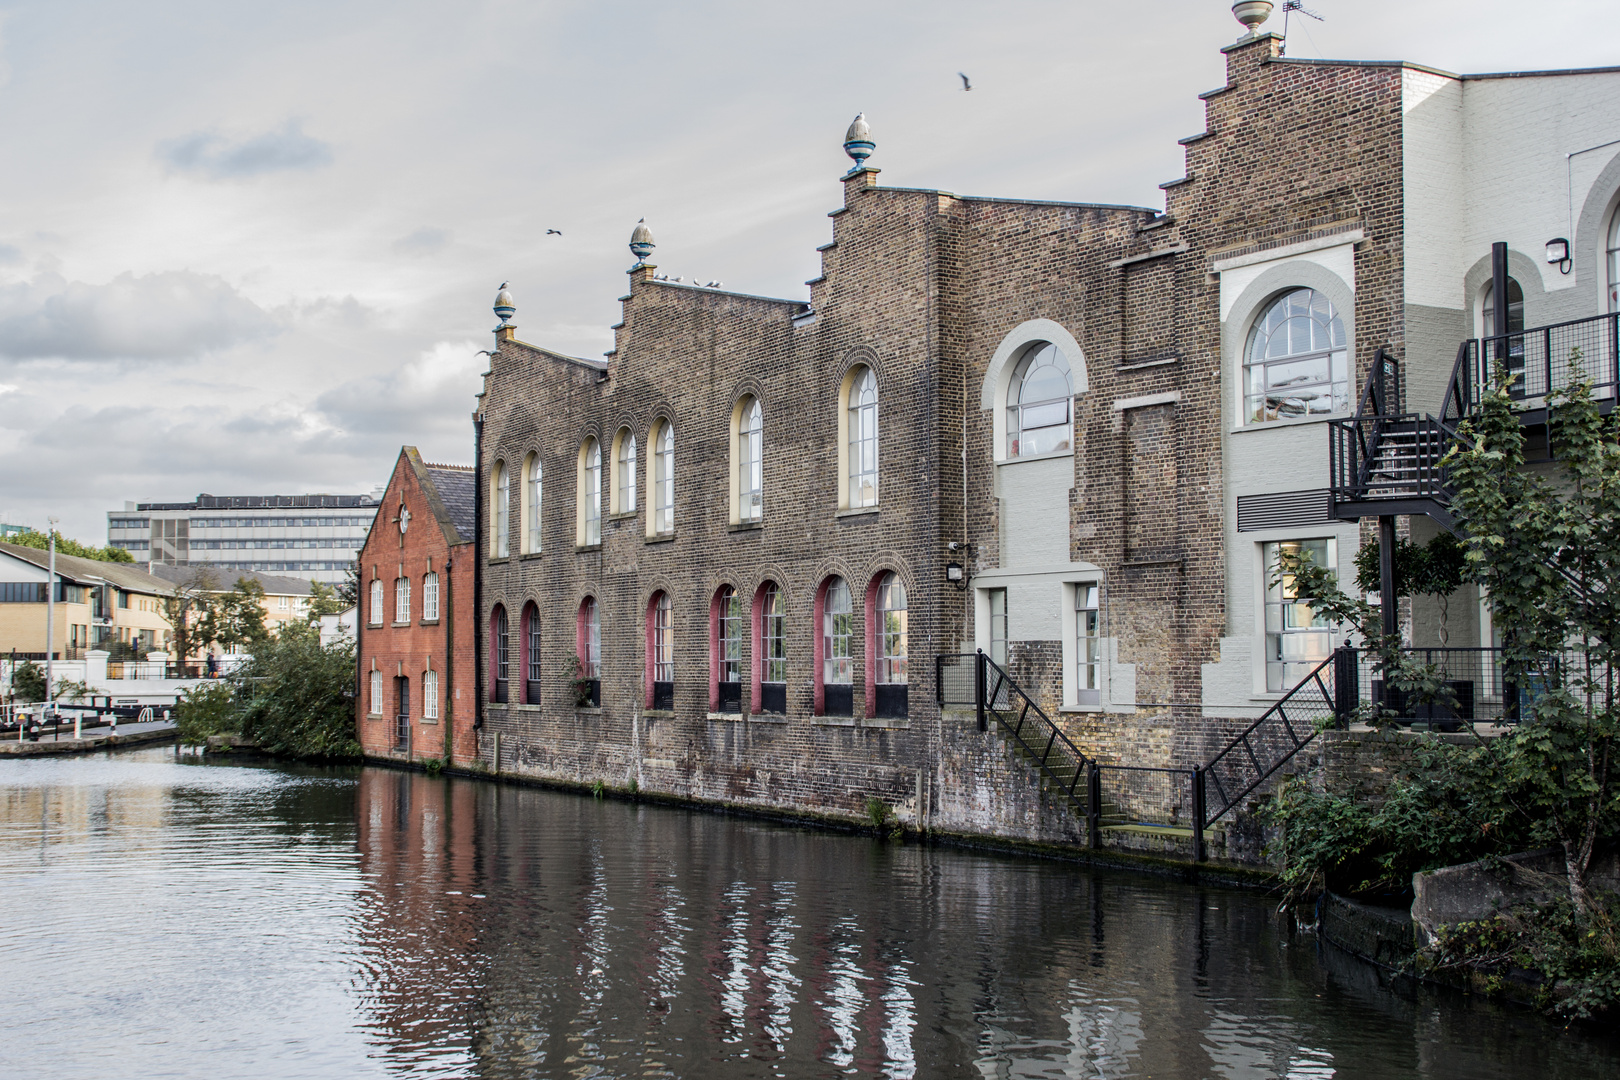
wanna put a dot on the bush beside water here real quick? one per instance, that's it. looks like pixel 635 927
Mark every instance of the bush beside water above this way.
pixel 291 699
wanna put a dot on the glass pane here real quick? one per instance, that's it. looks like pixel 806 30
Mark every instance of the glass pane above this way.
pixel 1044 384
pixel 1048 415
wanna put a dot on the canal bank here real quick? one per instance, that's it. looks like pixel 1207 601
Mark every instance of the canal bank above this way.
pixel 358 921
pixel 47 746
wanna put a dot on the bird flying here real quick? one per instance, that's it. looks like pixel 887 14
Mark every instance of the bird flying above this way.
pixel 965 84
pixel 553 232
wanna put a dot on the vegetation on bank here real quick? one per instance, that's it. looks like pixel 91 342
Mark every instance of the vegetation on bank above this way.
pixel 1545 550
pixel 292 698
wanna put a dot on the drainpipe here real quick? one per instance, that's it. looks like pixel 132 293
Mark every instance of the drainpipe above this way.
pixel 478 572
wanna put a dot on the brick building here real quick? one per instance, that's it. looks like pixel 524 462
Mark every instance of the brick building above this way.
pixel 415 646
pixel 721 563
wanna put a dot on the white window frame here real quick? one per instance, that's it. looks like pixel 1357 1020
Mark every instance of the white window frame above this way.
pixel 892 625
pixel 533 489
pixel 1335 633
pixel 748 470
pixel 624 472
pixel 1032 358
pixel 376 692
pixel 430 596
pixel 661 508
pixel 430 694
pixel 831 632
pixel 590 493
pixel 402 599
pixel 772 635
pixel 859 445
pixel 1338 356
pixel 376 618
pixel 590 644
pixel 663 640
pixel 501 534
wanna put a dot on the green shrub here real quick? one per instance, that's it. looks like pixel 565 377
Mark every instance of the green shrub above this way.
pixel 28 682
pixel 294 695
pixel 209 709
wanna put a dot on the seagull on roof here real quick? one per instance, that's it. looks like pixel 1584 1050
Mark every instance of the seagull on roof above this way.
pixel 553 232
pixel 965 84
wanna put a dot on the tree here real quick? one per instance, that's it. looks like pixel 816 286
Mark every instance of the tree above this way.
pixel 295 696
pixel 349 590
pixel 239 616
pixel 27 682
pixel 65 546
pixel 1547 552
pixel 1435 569
pixel 324 600
pixel 193 613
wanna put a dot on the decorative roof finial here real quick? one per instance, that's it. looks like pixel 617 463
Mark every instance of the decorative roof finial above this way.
pixel 504 306
pixel 858 142
pixel 1251 13
pixel 641 242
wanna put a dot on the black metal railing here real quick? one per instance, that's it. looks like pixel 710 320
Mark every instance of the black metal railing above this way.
pixel 1545 359
pixel 1267 744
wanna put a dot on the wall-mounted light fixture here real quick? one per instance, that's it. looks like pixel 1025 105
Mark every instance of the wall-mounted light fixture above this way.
pixel 953 573
pixel 1558 254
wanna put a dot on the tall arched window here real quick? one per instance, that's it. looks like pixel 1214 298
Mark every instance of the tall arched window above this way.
pixel 663 481
pixel 590 493
pixel 750 464
pixel 588 649
pixel 531 654
pixel 837 649
pixel 430 695
pixel 376 693
pixel 660 653
pixel 1614 262
pixel 402 600
pixel 893 632
pixel 376 617
pixel 1040 401
pixel 772 639
pixel 499 654
pixel 1515 308
pixel 430 596
pixel 862 424
pixel 1297 362
pixel 625 477
pixel 1511 350
pixel 501 535
pixel 532 486
pixel 728 627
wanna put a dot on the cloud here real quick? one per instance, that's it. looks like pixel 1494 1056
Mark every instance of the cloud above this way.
pixel 423 241
pixel 177 315
pixel 435 393
pixel 210 154
pixel 10 255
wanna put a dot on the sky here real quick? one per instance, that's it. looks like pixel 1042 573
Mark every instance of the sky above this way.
pixel 251 248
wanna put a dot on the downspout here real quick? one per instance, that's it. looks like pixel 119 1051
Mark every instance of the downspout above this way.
pixel 450 656
pixel 478 572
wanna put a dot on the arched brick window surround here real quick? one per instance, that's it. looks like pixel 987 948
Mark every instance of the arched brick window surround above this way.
pixel 529 661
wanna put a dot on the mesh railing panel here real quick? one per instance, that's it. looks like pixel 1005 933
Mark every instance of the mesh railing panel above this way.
pixel 956 681
pixel 1145 796
pixel 1265 745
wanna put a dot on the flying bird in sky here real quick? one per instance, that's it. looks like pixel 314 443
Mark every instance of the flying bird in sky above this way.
pixel 553 232
pixel 965 84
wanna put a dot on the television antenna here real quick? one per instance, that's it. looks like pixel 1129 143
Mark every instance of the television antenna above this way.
pixel 1291 6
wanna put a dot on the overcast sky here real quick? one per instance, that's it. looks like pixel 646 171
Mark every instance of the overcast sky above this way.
pixel 250 248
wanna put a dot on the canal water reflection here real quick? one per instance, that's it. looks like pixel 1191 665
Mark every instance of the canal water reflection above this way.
pixel 260 921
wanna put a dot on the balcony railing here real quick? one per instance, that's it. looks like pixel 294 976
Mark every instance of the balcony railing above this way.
pixel 1545 359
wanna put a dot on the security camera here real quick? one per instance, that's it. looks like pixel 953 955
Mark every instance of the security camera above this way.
pixel 953 546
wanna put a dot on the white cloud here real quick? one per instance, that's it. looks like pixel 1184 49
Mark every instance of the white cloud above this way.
pixel 210 154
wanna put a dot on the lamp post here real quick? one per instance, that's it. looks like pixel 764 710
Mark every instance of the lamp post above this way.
pixel 50 621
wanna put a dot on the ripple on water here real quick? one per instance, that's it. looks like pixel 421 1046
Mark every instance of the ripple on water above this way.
pixel 244 920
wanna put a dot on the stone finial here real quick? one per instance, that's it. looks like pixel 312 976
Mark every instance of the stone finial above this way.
pixel 504 308
pixel 858 142
pixel 1251 13
pixel 641 242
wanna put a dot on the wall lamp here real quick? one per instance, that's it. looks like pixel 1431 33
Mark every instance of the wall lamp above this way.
pixel 1558 255
pixel 954 571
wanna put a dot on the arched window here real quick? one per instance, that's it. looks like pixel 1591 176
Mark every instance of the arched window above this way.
pixel 1614 262
pixel 430 695
pixel 590 639
pixel 1040 400
pixel 660 654
pixel 376 691
pixel 837 649
pixel 531 654
pixel 663 480
pixel 1510 350
pixel 430 596
pixel 890 623
pixel 376 618
pixel 402 600
pixel 861 427
pixel 727 627
pixel 1297 362
pixel 532 476
pixel 1515 311
pixel 499 655
pixel 590 493
pixel 501 534
pixel 750 465
pixel 625 474
pixel 771 666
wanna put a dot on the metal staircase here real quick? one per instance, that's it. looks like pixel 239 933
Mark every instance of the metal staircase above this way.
pixel 1385 462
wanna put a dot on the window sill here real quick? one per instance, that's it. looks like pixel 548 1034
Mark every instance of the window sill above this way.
pixel 738 716
pixel 1304 421
pixel 658 714
pixel 496 560
pixel 1020 459
pixel 623 515
pixel 430 722
pixel 428 622
pixel 527 555
pixel 833 721
pixel 374 716
pixel 374 626
pixel 398 625
pixel 887 723
pixel 661 538
pixel 580 549
pixel 745 526
pixel 585 710
pixel 1094 710
pixel 858 511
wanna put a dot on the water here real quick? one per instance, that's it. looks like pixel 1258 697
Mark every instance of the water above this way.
pixel 186 920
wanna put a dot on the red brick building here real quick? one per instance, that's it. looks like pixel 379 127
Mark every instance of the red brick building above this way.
pixel 415 636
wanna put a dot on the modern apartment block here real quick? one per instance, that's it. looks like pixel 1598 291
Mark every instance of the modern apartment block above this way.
pixel 307 536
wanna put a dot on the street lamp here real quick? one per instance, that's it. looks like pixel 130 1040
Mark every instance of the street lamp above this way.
pixel 50 622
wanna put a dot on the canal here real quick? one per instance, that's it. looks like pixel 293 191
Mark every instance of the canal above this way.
pixel 208 920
